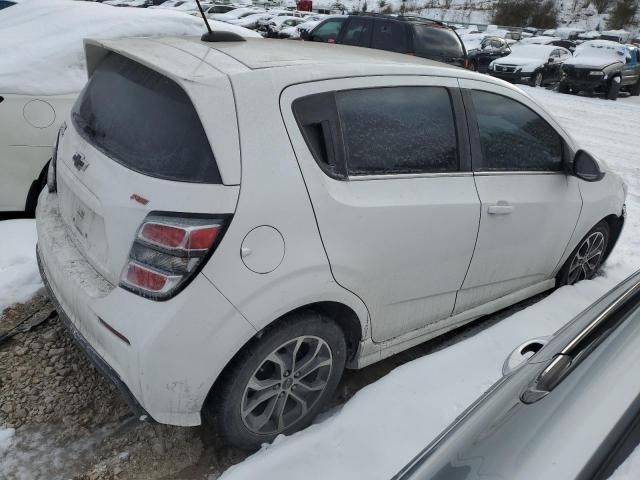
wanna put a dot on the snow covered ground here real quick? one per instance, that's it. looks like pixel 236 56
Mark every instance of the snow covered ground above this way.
pixel 385 424
pixel 19 276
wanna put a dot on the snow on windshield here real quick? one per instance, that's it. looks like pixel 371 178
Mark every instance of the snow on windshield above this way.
pixel 42 39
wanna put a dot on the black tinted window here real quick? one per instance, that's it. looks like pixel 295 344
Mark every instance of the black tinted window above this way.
pixel 436 42
pixel 513 137
pixel 397 130
pixel 389 35
pixel 357 32
pixel 327 31
pixel 144 121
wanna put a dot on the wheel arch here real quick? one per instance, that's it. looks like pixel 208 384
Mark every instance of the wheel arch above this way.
pixel 615 223
pixel 34 190
pixel 344 316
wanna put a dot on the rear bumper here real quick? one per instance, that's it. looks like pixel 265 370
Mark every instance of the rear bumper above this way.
pixel 175 349
pixel 102 366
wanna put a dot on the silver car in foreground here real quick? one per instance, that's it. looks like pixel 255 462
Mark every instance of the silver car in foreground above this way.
pixel 567 407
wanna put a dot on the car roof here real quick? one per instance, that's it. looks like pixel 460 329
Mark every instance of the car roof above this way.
pixel 189 59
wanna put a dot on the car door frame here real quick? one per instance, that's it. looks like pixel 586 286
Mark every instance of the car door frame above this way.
pixel 568 150
pixel 406 332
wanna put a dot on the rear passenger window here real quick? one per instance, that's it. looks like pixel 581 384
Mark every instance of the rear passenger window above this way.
pixel 397 130
pixel 437 42
pixel 514 137
pixel 357 32
pixel 391 36
pixel 327 31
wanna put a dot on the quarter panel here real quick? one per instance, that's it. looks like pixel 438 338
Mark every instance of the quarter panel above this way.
pixel 26 147
pixel 273 194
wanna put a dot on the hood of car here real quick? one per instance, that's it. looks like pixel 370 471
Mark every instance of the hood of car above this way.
pixel 594 63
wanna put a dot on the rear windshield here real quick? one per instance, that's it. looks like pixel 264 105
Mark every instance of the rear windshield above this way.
pixel 437 42
pixel 144 121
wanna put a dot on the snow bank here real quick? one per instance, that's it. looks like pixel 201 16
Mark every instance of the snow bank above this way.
pixel 41 48
pixel 385 424
pixel 19 276
pixel 6 438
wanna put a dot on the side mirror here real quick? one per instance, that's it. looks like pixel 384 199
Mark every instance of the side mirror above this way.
pixel 586 167
pixel 552 60
pixel 522 353
pixel 304 34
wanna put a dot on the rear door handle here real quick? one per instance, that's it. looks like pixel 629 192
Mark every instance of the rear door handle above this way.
pixel 501 208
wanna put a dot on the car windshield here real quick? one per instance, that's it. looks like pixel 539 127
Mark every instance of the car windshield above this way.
pixel 534 52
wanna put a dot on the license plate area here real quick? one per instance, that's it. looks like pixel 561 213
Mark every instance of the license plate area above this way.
pixel 83 222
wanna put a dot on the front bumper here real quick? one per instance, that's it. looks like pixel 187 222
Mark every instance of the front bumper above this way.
pixel 175 349
pixel 512 77
pixel 583 84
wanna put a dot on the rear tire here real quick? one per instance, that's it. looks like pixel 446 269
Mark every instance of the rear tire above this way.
pixel 273 386
pixel 614 89
pixel 587 257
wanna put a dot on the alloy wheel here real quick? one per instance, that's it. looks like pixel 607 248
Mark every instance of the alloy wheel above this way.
pixel 286 385
pixel 587 258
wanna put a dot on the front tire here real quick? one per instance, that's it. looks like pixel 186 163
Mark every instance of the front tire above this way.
pixel 563 87
pixel 614 89
pixel 537 79
pixel 278 383
pixel 587 257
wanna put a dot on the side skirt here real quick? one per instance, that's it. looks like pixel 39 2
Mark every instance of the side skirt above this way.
pixel 370 352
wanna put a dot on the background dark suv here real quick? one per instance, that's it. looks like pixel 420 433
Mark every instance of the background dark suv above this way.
pixel 411 35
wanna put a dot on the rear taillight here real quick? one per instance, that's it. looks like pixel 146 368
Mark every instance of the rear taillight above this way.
pixel 168 251
pixel 467 64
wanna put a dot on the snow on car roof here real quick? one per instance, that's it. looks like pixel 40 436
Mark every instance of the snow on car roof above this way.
pixel 43 39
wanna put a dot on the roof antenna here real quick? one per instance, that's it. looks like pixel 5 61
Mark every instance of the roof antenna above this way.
pixel 222 36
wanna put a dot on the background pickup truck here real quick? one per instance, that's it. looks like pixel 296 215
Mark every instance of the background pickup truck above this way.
pixel 602 66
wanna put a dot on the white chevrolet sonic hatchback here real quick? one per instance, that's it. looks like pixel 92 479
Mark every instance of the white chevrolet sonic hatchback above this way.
pixel 228 225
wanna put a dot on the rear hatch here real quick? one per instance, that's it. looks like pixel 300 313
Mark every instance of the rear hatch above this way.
pixel 135 146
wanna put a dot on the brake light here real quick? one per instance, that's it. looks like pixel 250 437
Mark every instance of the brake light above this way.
pixel 168 251
pixel 467 64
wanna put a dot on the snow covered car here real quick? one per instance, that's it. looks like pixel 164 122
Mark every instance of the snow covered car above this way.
pixel 566 408
pixel 32 110
pixel 602 66
pixel 490 49
pixel 231 261
pixel 235 14
pixel 536 65
pixel 276 25
pixel 555 41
